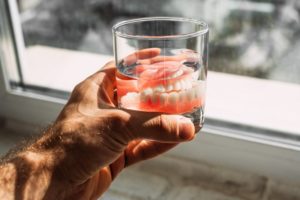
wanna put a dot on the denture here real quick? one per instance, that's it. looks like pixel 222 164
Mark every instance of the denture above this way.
pixel 167 86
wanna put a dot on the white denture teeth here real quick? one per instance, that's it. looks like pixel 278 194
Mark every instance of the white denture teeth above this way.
pixel 173 98
pixel 146 94
pixel 177 86
pixel 188 84
pixel 132 94
pixel 196 92
pixel 181 96
pixel 169 88
pixel 163 98
pixel 182 84
pixel 159 89
pixel 190 94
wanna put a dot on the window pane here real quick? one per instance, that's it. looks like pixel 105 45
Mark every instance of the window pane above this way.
pixel 67 40
pixel 252 38
pixel 7 48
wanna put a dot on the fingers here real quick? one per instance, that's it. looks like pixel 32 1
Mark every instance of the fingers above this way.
pixel 106 84
pixel 106 92
pixel 178 58
pixel 140 55
pixel 145 149
pixel 164 128
pixel 109 70
pixel 97 184
pixel 117 166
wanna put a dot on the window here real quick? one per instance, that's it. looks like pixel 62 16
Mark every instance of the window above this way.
pixel 252 38
pixel 253 87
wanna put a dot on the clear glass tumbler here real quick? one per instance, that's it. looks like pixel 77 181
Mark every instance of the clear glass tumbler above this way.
pixel 162 65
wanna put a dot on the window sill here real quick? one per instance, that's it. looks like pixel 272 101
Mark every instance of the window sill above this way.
pixel 256 102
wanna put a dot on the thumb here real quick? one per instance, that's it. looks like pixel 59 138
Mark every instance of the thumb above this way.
pixel 164 128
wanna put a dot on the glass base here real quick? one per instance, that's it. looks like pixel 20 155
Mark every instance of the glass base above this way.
pixel 197 117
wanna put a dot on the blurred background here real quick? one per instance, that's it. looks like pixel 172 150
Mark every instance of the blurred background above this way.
pixel 259 38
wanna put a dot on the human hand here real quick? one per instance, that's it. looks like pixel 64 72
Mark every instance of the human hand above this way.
pixel 98 141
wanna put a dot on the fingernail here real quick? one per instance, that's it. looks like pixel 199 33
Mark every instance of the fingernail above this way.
pixel 186 128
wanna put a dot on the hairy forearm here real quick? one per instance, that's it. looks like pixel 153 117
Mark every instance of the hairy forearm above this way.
pixel 64 163
pixel 28 174
pixel 7 181
pixel 25 176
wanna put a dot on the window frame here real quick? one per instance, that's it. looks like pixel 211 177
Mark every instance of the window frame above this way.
pixel 221 147
pixel 15 104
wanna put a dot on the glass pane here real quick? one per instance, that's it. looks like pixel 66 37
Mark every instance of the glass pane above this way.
pixel 7 48
pixel 67 40
pixel 252 38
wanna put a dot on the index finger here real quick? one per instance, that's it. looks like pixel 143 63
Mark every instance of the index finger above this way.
pixel 141 54
pixel 106 83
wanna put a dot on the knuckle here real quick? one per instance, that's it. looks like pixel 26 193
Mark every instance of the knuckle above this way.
pixel 77 89
pixel 78 86
pixel 119 123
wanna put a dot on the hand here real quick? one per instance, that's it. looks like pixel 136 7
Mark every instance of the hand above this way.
pixel 98 140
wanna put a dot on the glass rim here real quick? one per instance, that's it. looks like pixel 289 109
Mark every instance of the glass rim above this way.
pixel 162 37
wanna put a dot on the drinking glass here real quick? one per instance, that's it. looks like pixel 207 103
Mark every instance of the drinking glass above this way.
pixel 162 65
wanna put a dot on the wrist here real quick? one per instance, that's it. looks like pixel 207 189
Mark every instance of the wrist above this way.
pixel 29 175
pixel 61 145
pixel 41 163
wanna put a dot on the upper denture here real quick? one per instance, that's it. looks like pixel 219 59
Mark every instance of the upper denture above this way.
pixel 166 76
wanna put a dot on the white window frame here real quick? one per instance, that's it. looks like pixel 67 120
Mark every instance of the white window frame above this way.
pixel 17 104
pixel 223 147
